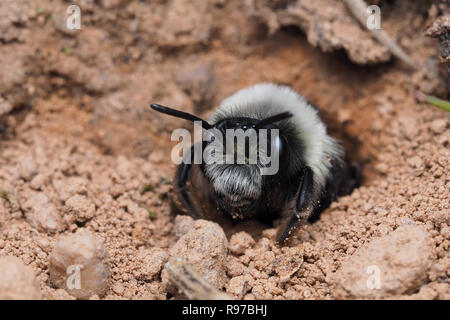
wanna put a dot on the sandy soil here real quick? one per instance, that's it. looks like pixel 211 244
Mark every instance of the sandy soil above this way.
pixel 80 151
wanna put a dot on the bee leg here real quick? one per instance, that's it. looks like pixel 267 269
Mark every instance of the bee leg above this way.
pixel 181 178
pixel 304 206
pixel 344 179
pixel 355 176
pixel 306 190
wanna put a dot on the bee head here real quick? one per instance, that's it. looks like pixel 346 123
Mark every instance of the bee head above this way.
pixel 237 151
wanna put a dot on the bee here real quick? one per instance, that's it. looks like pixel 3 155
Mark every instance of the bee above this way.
pixel 312 170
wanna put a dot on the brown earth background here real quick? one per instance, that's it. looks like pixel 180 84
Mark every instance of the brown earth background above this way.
pixel 85 170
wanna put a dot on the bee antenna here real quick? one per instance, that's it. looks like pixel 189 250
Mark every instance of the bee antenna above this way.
pixel 179 114
pixel 278 117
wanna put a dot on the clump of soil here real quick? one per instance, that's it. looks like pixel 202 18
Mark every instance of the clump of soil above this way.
pixel 77 264
pixel 79 150
pixel 18 280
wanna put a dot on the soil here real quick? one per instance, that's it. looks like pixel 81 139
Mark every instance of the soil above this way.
pixel 80 150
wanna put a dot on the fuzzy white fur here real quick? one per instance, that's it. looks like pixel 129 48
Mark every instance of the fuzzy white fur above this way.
pixel 264 100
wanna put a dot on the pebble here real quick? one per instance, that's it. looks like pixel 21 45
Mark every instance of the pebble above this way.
pixel 150 261
pixel 393 264
pixel 42 214
pixel 183 224
pixel 240 241
pixel 78 263
pixel 17 281
pixel 205 247
pixel 80 208
pixel 27 168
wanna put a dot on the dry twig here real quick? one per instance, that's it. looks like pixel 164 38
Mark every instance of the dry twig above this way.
pixel 191 283
pixel 358 9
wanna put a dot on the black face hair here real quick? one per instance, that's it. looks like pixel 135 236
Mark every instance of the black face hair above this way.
pixel 187 116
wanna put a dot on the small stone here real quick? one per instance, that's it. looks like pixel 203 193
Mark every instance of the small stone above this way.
pixel 124 167
pixel 78 264
pixel 42 214
pixel 394 264
pixel 409 126
pixel 237 285
pixel 38 181
pixel 439 125
pixel 270 233
pixel 80 208
pixel 157 156
pixel 43 243
pixel 150 263
pixel 5 106
pixel 241 241
pixel 27 168
pixel 118 288
pixel 17 281
pixel 415 162
pixel 234 267
pixel 344 115
pixel 289 262
pixel 183 224
pixel 382 167
pixel 69 187
pixel 204 247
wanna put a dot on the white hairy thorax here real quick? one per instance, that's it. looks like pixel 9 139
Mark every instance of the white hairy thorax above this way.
pixel 264 100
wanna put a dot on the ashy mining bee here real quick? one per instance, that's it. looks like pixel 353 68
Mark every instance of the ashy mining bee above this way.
pixel 313 170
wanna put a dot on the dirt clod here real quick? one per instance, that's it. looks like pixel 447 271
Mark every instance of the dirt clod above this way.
pixel 80 208
pixel 17 281
pixel 400 259
pixel 42 214
pixel 183 224
pixel 239 242
pixel 205 247
pixel 78 264
pixel 151 262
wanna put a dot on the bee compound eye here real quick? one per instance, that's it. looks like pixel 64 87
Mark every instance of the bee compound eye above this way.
pixel 278 145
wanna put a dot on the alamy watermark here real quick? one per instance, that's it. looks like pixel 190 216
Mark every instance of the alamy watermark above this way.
pixel 373 282
pixel 73 273
pixel 373 21
pixel 73 20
